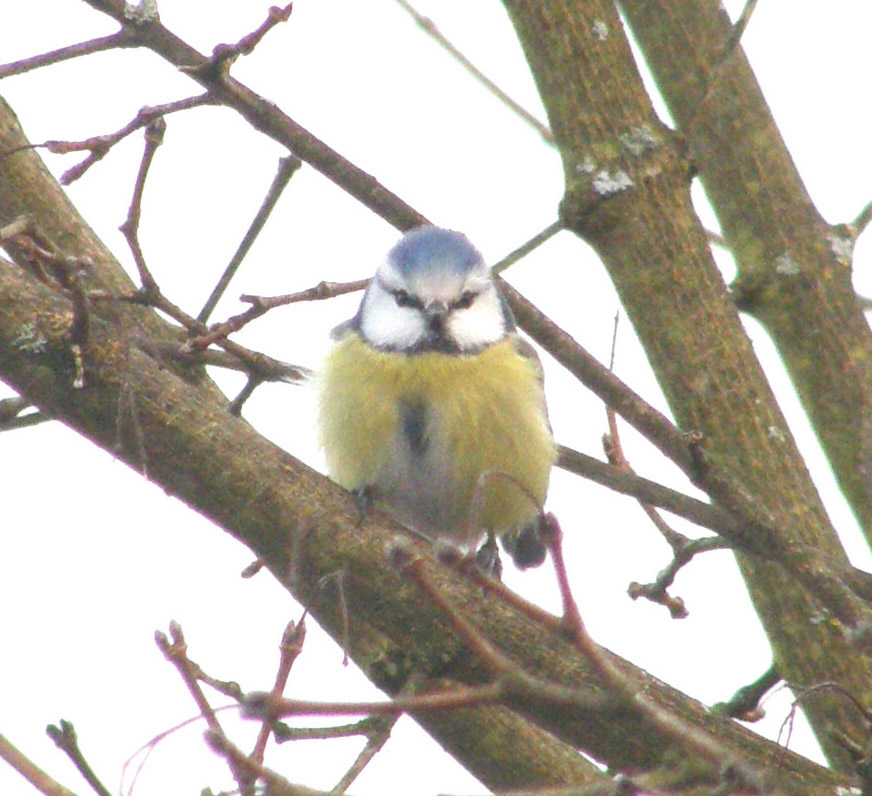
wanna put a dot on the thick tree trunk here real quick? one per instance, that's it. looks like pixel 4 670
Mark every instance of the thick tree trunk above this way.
pixel 794 269
pixel 305 528
pixel 628 195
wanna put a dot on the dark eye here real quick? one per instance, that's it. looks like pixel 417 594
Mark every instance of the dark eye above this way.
pixel 465 300
pixel 403 299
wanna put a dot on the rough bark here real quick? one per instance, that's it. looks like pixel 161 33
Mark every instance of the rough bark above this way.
pixel 628 195
pixel 794 269
pixel 304 527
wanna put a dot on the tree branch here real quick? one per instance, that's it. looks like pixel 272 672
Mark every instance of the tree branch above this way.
pixel 263 115
pixel 304 527
pixel 30 771
pixel 122 38
pixel 627 194
pixel 737 148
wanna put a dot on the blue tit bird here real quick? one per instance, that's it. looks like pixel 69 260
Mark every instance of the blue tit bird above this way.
pixel 433 403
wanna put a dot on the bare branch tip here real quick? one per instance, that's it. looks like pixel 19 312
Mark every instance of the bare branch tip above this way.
pixel 176 632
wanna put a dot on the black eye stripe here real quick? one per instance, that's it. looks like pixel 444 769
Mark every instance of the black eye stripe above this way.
pixel 466 299
pixel 403 299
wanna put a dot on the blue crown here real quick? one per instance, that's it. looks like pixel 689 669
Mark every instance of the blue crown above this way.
pixel 426 248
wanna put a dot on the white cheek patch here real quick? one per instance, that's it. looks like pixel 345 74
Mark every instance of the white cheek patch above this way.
pixel 386 325
pixel 479 325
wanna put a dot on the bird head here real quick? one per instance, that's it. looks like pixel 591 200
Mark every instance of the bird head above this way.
pixel 433 292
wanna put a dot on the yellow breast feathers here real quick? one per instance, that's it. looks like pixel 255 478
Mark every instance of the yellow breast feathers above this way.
pixel 423 429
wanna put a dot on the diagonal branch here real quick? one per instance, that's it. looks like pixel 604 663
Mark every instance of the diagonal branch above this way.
pixel 429 27
pixel 263 115
pixel 304 527
pixel 627 194
pixel 737 148
pixel 288 166
pixel 122 38
pixel 98 146
pixel 30 771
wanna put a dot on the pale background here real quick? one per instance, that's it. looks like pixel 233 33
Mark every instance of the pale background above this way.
pixel 95 559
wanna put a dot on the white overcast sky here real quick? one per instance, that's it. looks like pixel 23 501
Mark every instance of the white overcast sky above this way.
pixel 95 559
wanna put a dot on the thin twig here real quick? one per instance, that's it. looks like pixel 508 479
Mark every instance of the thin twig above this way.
pixel 229 688
pixel 252 383
pixel 745 703
pixel 682 555
pixel 67 741
pixel 552 535
pixel 290 648
pixel 614 451
pixel 68 273
pixel 150 293
pixel 266 117
pixel 30 771
pixel 246 361
pixel 510 680
pixel 276 785
pixel 524 249
pixel 288 165
pixel 860 751
pixel 261 705
pixel 427 24
pixel 739 28
pixel 176 652
pixel 284 733
pixel 864 217
pixel 717 239
pixel 470 567
pixel 246 45
pixel 754 530
pixel 644 490
pixel 715 71
pixel 379 731
pixel 669 724
pixel 14 414
pixel 320 292
pixel 260 305
pixel 98 146
pixel 122 38
pixel 613 350
pixel 154 135
pixel 141 755
pixel 337 577
pixel 234 356
pixel 325 290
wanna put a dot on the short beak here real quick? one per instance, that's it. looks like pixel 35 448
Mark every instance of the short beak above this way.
pixel 435 314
